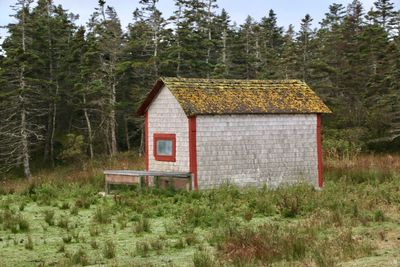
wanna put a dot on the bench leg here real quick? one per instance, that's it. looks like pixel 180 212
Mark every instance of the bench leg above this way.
pixel 142 182
pixel 157 182
pixel 107 188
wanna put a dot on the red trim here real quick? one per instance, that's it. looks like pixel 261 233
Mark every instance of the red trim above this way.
pixel 171 137
pixel 146 144
pixel 319 151
pixel 146 140
pixel 193 151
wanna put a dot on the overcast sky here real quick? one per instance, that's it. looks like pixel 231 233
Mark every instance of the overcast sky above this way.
pixel 288 11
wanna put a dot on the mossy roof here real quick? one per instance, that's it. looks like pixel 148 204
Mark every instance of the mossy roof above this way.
pixel 225 96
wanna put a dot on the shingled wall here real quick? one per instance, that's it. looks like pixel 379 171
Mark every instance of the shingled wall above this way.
pixel 165 115
pixel 256 149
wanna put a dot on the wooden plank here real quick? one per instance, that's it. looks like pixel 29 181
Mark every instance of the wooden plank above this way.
pixel 122 179
pixel 179 180
pixel 148 173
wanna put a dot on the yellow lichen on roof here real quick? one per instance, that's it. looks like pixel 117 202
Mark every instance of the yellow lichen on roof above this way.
pixel 219 96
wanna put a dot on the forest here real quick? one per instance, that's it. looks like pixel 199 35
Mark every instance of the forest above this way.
pixel 68 100
pixel 69 92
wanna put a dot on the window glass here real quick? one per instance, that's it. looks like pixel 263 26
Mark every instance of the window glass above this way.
pixel 164 147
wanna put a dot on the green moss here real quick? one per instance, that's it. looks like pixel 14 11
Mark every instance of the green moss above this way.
pixel 192 220
pixel 219 96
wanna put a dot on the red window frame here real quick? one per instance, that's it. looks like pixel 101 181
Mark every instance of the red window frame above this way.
pixel 169 137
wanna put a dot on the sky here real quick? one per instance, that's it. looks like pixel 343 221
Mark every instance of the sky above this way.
pixel 288 11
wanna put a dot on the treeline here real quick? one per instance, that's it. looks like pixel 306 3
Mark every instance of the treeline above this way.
pixel 68 91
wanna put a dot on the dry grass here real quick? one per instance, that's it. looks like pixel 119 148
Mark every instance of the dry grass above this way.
pixel 355 216
pixel 381 162
pixel 87 172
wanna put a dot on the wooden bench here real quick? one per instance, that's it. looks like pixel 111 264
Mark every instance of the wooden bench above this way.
pixel 141 178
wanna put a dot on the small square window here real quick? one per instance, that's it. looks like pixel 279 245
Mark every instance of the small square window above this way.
pixel 164 147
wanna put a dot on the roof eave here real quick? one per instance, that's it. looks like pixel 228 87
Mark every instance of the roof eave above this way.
pixel 256 113
pixel 150 97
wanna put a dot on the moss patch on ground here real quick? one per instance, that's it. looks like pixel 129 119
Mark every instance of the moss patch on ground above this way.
pixel 351 222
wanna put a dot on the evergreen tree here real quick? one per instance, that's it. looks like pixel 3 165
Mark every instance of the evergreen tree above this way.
pixel 20 96
pixel 289 59
pixel 246 55
pixel 52 30
pixel 383 14
pixel 109 38
pixel 222 45
pixel 304 42
pixel 272 40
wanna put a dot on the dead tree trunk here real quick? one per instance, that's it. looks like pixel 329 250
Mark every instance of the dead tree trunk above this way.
pixel 112 121
pixel 89 127
pixel 24 125
pixel 128 145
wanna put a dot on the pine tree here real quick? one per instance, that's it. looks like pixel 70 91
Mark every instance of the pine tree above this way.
pixel 289 59
pixel 108 35
pixel 20 95
pixel 246 54
pixel 222 39
pixel 271 49
pixel 304 42
pixel 52 30
pixel 383 14
pixel 330 52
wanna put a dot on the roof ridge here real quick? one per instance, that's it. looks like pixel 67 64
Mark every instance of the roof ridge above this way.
pixel 229 79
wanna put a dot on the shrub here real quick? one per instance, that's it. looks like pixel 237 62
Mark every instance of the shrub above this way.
pixel 67 239
pixel 84 201
pixel 102 215
pixel 14 222
pixel 263 204
pixel 143 248
pixel 46 193
pixel 29 243
pixel 202 259
pixel 156 244
pixel 73 148
pixel 248 215
pixel 64 206
pixel 268 243
pixel 75 236
pixel 379 216
pixel 94 244
pixel 291 200
pixel 278 242
pixel 94 230
pixel 75 210
pixel 63 222
pixel 122 220
pixel 191 239
pixel 23 224
pixel 61 249
pixel 142 226
pixel 180 243
pixel 197 215
pixel 171 228
pixel 49 217
pixel 80 257
pixel 22 206
pixel 109 250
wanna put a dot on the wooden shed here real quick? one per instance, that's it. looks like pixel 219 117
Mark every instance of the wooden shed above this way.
pixel 244 132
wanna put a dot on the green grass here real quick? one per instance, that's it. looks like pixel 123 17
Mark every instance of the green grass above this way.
pixel 352 220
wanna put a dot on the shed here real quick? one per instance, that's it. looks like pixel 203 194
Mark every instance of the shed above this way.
pixel 243 132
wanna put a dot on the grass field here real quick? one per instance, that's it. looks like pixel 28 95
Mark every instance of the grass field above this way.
pixel 61 221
